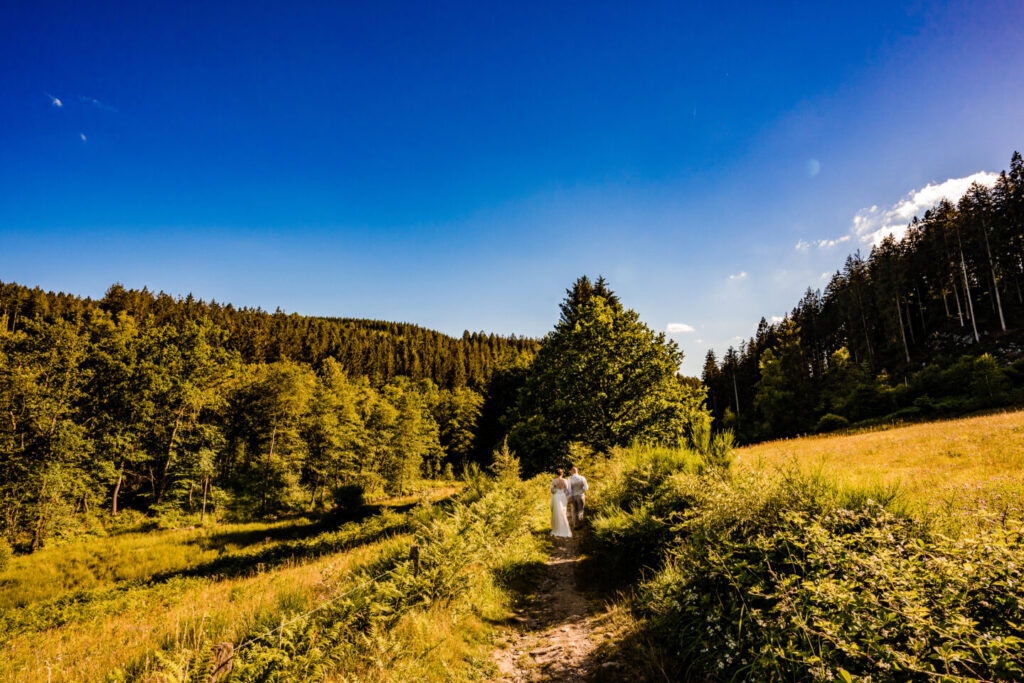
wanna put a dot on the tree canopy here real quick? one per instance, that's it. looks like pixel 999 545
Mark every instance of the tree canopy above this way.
pixel 602 378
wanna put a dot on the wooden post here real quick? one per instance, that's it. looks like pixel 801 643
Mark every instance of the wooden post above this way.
pixel 223 660
pixel 414 555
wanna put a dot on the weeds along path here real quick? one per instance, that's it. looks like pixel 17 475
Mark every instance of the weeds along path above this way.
pixel 554 638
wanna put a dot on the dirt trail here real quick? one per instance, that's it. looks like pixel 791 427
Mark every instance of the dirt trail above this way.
pixel 553 639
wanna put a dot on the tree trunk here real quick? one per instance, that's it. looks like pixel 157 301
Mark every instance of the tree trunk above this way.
pixel 959 311
pixel 170 455
pixel 206 488
pixel 903 336
pixel 117 490
pixel 312 497
pixel 190 486
pixel 995 283
pixel 736 393
pixel 967 293
pixel 945 301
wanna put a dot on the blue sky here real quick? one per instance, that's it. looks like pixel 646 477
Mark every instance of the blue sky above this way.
pixel 458 164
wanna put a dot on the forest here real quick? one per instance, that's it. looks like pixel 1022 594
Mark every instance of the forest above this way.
pixel 142 406
pixel 931 324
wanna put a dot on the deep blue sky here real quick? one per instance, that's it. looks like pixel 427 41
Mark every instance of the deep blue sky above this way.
pixel 458 164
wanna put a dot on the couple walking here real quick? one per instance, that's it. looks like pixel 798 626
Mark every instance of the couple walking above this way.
pixel 568 498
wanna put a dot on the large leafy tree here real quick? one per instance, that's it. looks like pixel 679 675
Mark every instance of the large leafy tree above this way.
pixel 603 378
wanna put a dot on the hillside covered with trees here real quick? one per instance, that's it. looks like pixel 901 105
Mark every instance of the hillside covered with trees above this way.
pixel 176 407
pixel 930 324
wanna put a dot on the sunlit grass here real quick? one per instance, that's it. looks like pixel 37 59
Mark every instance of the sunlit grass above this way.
pixel 941 469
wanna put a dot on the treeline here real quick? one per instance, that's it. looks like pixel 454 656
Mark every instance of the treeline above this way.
pixel 168 407
pixel 928 324
pixel 379 350
pixel 154 404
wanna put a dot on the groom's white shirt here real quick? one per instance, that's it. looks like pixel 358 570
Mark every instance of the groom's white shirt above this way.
pixel 578 484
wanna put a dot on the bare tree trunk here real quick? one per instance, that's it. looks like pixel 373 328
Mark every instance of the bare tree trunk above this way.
pixel 170 454
pixel 945 301
pixel 190 486
pixel 117 490
pixel 967 293
pixel 959 312
pixel 903 336
pixel 206 488
pixel 995 282
pixel 736 393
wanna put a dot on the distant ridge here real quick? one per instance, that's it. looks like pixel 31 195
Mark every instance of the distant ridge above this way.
pixel 377 348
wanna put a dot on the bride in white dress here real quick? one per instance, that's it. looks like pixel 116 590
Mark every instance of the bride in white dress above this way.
pixel 559 500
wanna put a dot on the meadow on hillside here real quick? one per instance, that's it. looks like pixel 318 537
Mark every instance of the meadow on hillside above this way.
pixel 947 469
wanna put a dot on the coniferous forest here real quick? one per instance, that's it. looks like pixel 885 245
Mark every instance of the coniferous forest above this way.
pixel 928 325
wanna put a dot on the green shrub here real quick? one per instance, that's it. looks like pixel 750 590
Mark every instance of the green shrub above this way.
pixel 830 422
pixel 785 585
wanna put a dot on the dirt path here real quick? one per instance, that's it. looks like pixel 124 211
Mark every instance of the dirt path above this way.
pixel 554 638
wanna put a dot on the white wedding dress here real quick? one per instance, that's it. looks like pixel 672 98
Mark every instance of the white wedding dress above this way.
pixel 559 519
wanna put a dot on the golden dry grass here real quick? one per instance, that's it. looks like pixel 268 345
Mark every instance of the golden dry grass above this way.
pixel 939 468
pixel 149 618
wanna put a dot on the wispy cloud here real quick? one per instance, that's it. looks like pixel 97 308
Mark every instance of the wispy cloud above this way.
pixel 825 244
pixel 826 275
pixel 776 319
pixel 804 245
pixel 679 328
pixel 872 225
pixel 739 276
pixel 97 103
pixel 55 101
pixel 698 341
pixel 82 135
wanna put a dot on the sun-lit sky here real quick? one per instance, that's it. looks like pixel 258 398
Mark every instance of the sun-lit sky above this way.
pixel 458 164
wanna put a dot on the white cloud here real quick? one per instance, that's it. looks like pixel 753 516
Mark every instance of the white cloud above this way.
pixel 825 244
pixel 678 328
pixel 826 275
pixel 698 341
pixel 55 101
pixel 776 319
pixel 872 225
pixel 739 276
pixel 802 245
pixel 82 135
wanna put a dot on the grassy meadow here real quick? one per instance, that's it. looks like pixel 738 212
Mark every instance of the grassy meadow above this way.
pixel 149 605
pixel 945 469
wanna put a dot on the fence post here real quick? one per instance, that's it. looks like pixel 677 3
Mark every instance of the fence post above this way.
pixel 414 555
